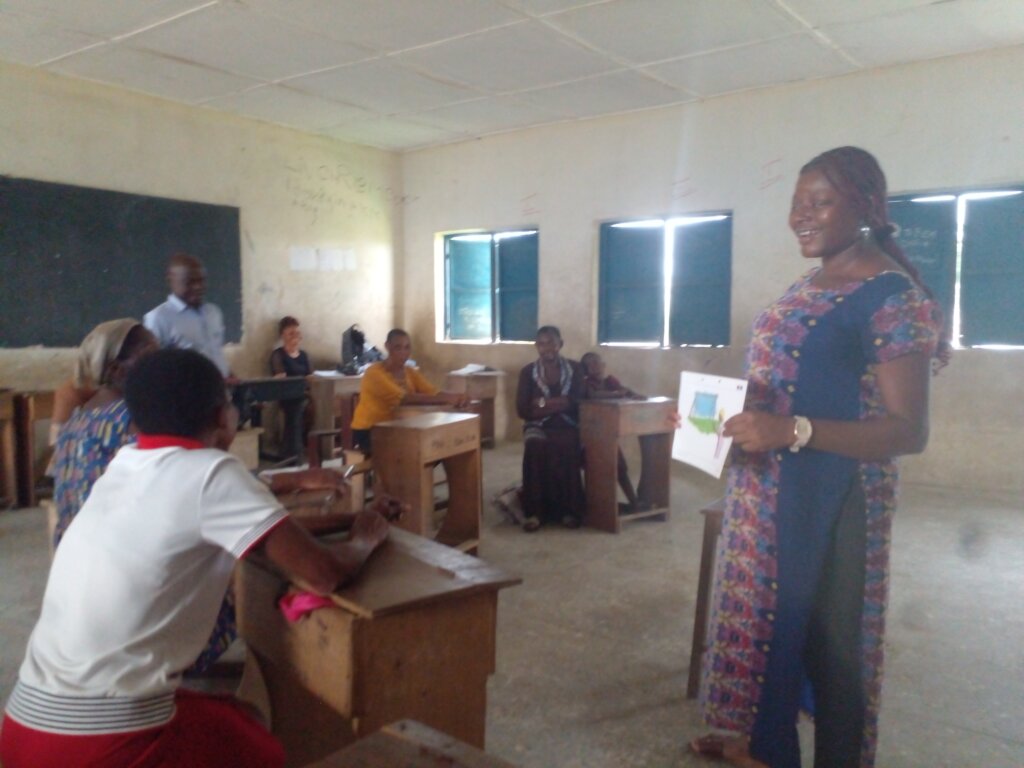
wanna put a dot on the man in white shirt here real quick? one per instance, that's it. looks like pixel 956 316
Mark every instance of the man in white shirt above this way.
pixel 185 320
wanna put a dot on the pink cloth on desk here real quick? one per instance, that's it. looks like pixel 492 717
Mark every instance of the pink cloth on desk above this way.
pixel 295 605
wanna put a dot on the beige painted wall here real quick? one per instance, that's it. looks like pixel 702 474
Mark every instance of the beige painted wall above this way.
pixel 955 121
pixel 292 189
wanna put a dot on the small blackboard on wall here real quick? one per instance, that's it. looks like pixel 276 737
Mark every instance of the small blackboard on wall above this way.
pixel 73 257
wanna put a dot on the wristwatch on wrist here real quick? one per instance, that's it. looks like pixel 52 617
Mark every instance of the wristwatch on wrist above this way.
pixel 542 403
pixel 802 431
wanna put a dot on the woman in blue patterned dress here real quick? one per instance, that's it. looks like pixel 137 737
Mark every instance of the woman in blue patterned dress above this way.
pixel 89 439
pixel 838 372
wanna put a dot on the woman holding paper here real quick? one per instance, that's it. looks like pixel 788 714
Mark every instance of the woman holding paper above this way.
pixel 838 372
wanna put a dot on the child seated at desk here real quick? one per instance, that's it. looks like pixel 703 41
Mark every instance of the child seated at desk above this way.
pixel 136 584
pixel 598 384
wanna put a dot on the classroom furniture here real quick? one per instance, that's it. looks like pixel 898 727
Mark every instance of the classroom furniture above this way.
pixel 482 386
pixel 405 452
pixel 290 393
pixel 712 530
pixel 8 470
pixel 410 744
pixel 29 407
pixel 413 636
pixel 334 399
pixel 602 424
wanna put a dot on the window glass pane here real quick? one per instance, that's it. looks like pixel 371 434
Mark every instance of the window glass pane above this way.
pixel 469 305
pixel 992 272
pixel 517 287
pixel 926 231
pixel 631 284
pixel 701 283
pixel 518 315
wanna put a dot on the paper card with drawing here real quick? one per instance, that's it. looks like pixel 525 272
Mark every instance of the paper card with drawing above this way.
pixel 705 403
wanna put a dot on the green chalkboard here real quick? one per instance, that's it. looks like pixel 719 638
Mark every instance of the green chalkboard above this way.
pixel 72 257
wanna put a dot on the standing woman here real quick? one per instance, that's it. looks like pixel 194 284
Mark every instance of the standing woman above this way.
pixel 838 372
pixel 547 400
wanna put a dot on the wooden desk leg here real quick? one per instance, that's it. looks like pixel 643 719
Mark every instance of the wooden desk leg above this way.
pixel 601 463
pixel 655 469
pixel 487 422
pixel 712 530
pixel 461 525
pixel 24 415
pixel 8 474
pixel 413 486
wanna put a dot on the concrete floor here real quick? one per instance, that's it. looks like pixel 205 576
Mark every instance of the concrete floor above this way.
pixel 593 647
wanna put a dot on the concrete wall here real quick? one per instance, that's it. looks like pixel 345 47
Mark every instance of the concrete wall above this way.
pixel 293 190
pixel 949 122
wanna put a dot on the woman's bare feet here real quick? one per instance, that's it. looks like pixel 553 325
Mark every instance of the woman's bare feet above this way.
pixel 730 748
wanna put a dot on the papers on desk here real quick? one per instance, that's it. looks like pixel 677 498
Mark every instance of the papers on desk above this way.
pixel 470 369
pixel 329 374
pixel 705 403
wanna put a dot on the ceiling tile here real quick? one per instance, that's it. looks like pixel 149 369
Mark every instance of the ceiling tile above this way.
pixel 645 31
pixel 391 25
pixel 941 29
pixel 542 7
pixel 277 104
pixel 31 40
pixel 382 86
pixel 797 57
pixel 151 73
pixel 515 57
pixel 500 113
pixel 234 39
pixel 392 133
pixel 818 12
pixel 604 94
pixel 106 18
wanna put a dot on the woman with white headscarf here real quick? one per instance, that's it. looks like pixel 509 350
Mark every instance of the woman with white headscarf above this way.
pixel 95 431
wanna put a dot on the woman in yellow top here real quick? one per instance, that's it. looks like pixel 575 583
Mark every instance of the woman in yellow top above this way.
pixel 389 384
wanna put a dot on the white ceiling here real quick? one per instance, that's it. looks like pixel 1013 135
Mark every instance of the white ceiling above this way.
pixel 402 74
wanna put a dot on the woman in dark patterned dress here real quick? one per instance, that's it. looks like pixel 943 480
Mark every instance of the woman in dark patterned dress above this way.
pixel 547 400
pixel 838 372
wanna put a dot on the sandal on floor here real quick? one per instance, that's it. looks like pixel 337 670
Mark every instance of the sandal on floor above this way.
pixel 531 524
pixel 709 745
pixel 569 521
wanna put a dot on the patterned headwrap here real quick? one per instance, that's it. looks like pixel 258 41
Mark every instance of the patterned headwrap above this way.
pixel 99 349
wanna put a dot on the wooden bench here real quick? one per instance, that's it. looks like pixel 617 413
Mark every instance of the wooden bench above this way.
pixel 30 407
pixel 712 531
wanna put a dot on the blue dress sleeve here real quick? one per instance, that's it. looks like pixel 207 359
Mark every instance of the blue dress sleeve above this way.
pixel 904 321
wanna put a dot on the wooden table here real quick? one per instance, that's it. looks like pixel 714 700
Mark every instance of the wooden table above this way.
pixel 412 637
pixel 712 530
pixel 602 424
pixel 332 398
pixel 404 454
pixel 409 744
pixel 29 407
pixel 482 386
pixel 8 471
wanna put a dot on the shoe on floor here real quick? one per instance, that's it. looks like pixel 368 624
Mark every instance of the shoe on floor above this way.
pixel 569 521
pixel 531 524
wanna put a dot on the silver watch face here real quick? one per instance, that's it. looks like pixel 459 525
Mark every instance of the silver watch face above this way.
pixel 803 429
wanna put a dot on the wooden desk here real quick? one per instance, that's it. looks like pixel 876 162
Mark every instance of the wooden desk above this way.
pixel 8 461
pixel 602 424
pixel 404 454
pixel 334 401
pixel 409 744
pixel 712 530
pixel 29 407
pixel 482 386
pixel 412 637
